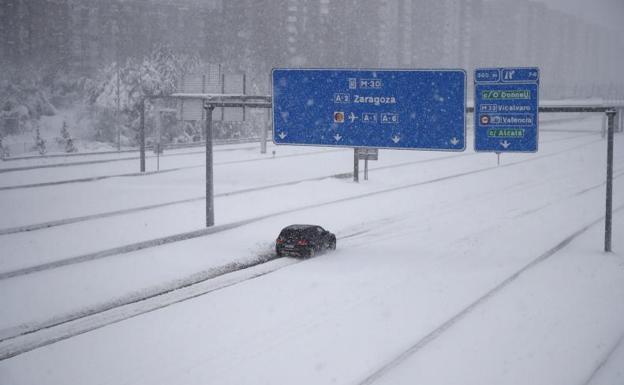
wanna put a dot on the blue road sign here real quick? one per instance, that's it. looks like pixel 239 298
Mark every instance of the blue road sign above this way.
pixel 506 109
pixel 423 109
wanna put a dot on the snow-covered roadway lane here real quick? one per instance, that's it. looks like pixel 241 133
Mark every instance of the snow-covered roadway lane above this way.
pixel 422 255
pixel 28 249
pixel 221 248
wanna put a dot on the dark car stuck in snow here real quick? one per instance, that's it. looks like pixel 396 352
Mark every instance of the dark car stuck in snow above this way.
pixel 304 241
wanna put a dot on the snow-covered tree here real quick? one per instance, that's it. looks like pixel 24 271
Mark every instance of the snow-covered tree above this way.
pixel 121 87
pixel 64 132
pixel 40 143
pixel 22 95
pixel 66 139
pixel 4 151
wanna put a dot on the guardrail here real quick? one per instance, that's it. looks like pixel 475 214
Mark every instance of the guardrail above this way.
pixel 167 146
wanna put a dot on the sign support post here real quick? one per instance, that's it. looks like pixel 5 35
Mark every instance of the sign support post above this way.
pixel 609 204
pixel 263 140
pixel 367 154
pixel 356 166
pixel 209 182
pixel 610 113
pixel 265 127
pixel 209 103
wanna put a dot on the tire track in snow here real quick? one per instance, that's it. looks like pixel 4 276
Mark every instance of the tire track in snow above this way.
pixel 102 177
pixel 62 328
pixel 88 179
pixel 200 144
pixel 44 225
pixel 617 173
pixel 111 160
pixel 458 317
pixel 55 165
pixel 604 361
pixel 61 222
pixel 133 174
pixel 67 326
pixel 8 350
pixel 24 338
pixel 88 162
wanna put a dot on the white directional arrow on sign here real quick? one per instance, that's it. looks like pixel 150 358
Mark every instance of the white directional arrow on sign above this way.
pixel 396 139
pixel 282 135
pixel 505 144
pixel 337 137
pixel 454 141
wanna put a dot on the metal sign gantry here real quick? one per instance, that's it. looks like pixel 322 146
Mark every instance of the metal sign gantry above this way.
pixel 611 112
pixel 212 101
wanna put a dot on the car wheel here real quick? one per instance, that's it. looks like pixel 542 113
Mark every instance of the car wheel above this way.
pixel 279 253
pixel 311 252
pixel 332 245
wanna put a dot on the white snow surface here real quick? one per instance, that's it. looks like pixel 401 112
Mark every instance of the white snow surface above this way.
pixel 418 243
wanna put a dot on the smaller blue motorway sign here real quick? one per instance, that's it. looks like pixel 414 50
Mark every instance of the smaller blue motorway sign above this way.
pixel 415 109
pixel 506 109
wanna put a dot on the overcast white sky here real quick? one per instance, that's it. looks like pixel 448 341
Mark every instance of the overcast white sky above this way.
pixel 609 12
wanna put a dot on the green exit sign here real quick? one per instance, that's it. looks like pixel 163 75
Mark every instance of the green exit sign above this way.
pixel 505 94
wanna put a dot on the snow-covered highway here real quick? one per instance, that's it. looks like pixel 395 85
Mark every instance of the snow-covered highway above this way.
pixel 424 239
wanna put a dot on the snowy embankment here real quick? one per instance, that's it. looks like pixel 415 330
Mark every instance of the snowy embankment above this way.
pixel 411 256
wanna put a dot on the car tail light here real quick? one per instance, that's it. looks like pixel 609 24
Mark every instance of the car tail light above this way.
pixel 279 240
pixel 302 242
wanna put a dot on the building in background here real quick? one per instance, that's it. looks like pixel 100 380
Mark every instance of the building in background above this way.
pixel 252 36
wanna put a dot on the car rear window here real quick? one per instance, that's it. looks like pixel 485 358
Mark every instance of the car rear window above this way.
pixel 298 233
pixel 289 233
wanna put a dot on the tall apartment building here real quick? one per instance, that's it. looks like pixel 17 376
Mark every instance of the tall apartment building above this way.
pixel 427 34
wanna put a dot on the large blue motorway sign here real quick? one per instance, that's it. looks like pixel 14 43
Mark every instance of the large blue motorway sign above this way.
pixel 506 109
pixel 423 109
